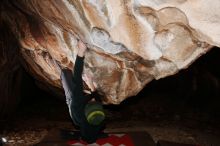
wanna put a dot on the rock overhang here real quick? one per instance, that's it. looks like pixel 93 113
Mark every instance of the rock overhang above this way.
pixel 131 42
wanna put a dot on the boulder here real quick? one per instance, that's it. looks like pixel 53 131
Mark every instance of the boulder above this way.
pixel 131 42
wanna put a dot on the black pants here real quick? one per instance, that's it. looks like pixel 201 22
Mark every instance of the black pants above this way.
pixel 67 82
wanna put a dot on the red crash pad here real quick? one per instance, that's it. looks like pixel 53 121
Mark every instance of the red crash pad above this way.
pixel 54 138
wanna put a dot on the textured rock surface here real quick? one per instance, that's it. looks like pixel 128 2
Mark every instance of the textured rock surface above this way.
pixel 131 41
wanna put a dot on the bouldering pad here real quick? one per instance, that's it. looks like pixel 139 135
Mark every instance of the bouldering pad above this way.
pixel 61 138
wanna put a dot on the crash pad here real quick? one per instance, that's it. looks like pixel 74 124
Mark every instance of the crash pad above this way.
pixel 61 138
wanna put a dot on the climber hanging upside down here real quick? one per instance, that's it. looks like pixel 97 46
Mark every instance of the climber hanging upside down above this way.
pixel 84 110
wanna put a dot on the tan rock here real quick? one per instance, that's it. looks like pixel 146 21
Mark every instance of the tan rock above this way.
pixel 131 41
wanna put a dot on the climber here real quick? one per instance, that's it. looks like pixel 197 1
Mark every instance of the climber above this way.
pixel 85 112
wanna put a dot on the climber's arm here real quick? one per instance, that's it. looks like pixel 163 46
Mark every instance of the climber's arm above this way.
pixel 78 69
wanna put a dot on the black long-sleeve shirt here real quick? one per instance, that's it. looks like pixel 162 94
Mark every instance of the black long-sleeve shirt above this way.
pixel 76 101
